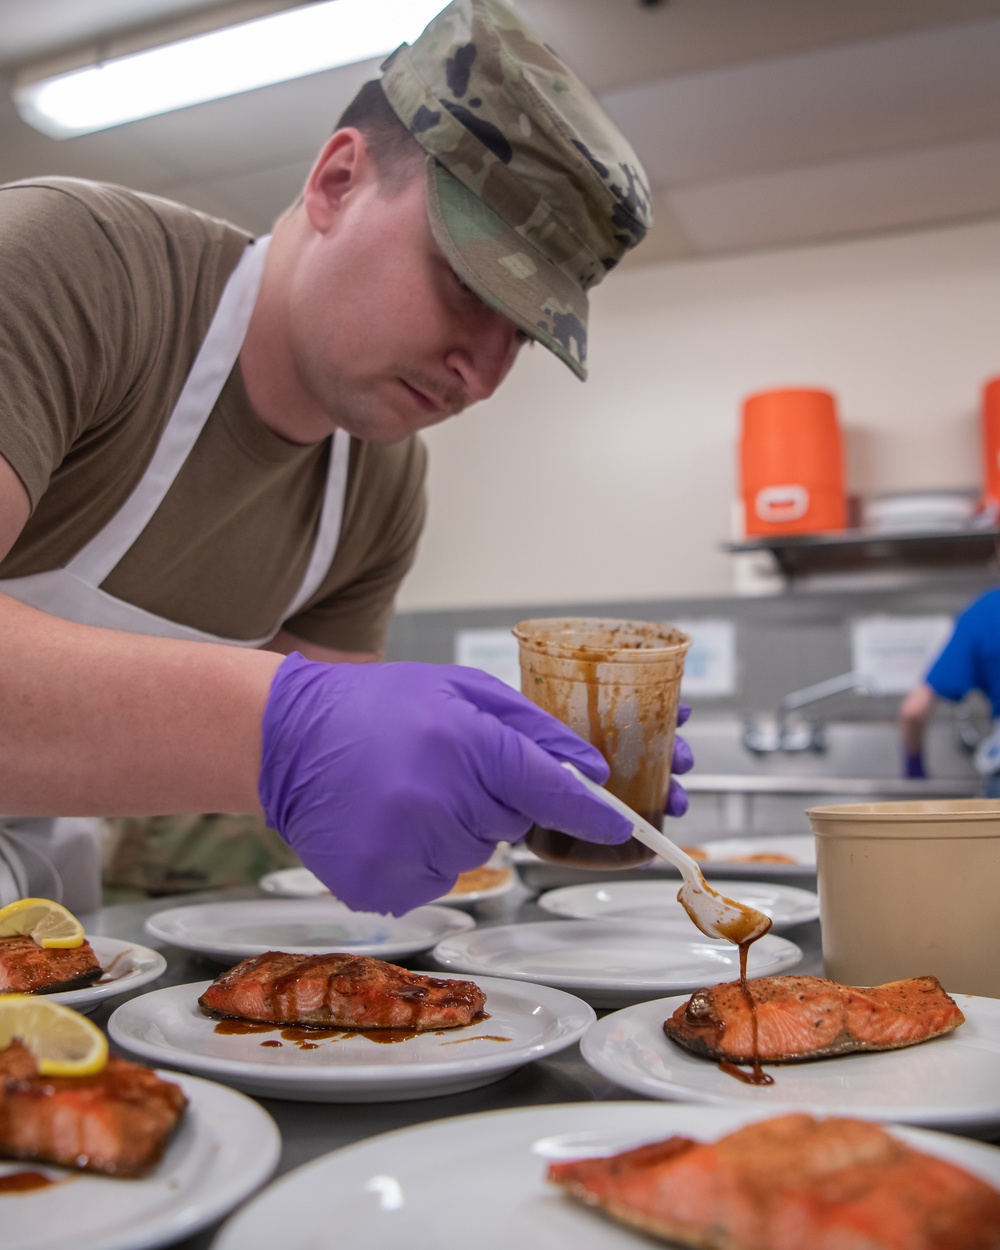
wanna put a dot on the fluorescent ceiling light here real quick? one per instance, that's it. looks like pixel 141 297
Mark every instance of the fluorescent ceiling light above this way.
pixel 271 49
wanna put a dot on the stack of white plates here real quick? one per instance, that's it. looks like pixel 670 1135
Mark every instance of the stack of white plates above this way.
pixel 919 510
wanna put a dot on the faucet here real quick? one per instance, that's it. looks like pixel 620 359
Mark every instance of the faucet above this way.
pixel 807 736
pixel 971 724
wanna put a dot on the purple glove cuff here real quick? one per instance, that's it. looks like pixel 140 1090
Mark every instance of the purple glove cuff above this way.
pixel 913 765
pixel 281 751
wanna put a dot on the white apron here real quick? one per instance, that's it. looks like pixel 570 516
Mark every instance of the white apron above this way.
pixel 60 858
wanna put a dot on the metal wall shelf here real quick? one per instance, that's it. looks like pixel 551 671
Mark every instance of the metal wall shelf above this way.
pixel 855 549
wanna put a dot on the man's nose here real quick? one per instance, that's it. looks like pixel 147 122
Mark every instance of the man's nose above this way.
pixel 484 355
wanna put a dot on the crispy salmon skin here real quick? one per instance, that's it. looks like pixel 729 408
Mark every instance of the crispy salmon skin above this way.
pixel 27 968
pixel 791 1183
pixel 800 1018
pixel 116 1122
pixel 342 991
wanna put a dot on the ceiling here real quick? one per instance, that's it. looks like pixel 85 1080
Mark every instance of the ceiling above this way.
pixel 762 123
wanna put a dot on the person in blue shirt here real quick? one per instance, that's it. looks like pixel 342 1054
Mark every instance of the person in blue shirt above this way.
pixel 970 660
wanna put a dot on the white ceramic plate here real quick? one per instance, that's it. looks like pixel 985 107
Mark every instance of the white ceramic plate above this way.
pixel 800 848
pixel 726 856
pixel 951 1082
pixel 127 966
pixel 657 900
pixel 168 1026
pixel 226 1146
pixel 610 963
pixel 301 883
pixel 466 897
pixel 233 931
pixel 480 1180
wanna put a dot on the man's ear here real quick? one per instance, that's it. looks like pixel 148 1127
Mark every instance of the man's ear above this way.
pixel 337 174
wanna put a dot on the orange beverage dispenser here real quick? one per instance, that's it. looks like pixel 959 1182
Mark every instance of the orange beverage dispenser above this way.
pixel 791 463
pixel 991 443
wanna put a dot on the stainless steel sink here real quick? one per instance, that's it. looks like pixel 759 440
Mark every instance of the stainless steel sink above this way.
pixel 865 788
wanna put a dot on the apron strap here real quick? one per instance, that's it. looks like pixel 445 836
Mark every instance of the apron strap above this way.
pixel 13 874
pixel 74 593
pixel 213 365
pixel 331 517
pixel 46 880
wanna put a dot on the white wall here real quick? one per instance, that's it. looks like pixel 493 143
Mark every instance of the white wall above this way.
pixel 620 488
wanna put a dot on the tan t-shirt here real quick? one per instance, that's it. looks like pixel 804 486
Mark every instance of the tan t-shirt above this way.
pixel 105 297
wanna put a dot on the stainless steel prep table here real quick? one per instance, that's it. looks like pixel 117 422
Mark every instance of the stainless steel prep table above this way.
pixel 309 1130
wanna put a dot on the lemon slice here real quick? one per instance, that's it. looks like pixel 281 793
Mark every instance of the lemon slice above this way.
pixel 48 923
pixel 63 1042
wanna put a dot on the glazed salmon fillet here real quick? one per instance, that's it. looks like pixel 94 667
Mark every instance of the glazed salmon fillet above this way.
pixel 791 1183
pixel 801 1018
pixel 27 968
pixel 116 1122
pixel 343 991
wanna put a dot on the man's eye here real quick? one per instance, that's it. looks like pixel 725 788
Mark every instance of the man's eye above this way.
pixel 523 337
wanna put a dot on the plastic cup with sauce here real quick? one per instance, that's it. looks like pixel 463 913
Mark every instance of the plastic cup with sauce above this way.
pixel 617 684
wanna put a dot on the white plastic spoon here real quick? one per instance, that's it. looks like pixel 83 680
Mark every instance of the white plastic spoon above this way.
pixel 714 914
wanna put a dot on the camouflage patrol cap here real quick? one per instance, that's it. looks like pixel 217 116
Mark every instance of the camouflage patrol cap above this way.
pixel 532 193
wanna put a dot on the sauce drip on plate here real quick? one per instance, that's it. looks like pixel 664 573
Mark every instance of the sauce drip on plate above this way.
pixel 24 1182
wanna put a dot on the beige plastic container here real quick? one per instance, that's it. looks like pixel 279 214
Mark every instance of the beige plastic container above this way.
pixel 617 683
pixel 909 889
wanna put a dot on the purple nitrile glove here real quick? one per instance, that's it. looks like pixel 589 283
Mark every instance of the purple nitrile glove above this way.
pixel 682 762
pixel 389 780
pixel 913 765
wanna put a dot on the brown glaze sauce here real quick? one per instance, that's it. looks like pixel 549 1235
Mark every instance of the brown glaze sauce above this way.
pixel 307 1038
pixel 301 1033
pixel 243 1026
pixel 24 1182
pixel 388 1037
pixel 756 1075
pixel 743 933
pixel 563 848
pixel 482 1037
pixel 108 973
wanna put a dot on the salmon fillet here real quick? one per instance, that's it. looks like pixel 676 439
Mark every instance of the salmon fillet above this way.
pixel 791 1183
pixel 801 1018
pixel 343 991
pixel 116 1122
pixel 27 968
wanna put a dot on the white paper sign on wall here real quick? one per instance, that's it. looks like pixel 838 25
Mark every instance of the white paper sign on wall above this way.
pixel 492 650
pixel 710 664
pixel 894 652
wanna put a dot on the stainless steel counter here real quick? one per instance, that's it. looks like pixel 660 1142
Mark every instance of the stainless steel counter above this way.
pixel 860 789
pixel 724 804
pixel 309 1130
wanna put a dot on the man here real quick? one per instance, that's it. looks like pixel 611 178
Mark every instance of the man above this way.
pixel 969 661
pixel 156 501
